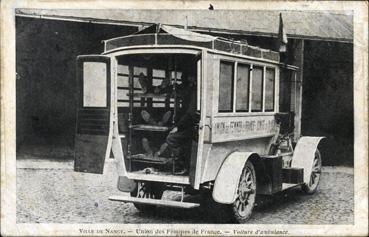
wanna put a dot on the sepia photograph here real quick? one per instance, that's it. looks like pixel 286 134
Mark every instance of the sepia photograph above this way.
pixel 208 121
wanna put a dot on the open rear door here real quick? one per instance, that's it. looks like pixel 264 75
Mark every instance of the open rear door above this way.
pixel 93 113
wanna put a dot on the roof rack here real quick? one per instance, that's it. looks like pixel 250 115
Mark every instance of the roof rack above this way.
pixel 159 34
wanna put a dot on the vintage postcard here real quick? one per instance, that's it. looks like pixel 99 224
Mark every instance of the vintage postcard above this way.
pixel 184 118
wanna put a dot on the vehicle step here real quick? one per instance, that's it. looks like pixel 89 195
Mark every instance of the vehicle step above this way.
pixel 288 186
pixel 156 202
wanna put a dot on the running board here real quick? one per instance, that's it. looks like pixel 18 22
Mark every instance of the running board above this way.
pixel 156 202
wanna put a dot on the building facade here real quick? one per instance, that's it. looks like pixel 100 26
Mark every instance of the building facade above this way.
pixel 48 41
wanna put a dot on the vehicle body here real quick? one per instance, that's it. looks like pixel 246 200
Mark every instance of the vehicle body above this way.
pixel 245 143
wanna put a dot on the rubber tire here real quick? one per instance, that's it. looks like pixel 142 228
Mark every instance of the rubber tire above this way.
pixel 235 215
pixel 305 187
pixel 155 190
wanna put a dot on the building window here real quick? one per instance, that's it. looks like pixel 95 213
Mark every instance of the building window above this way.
pixel 269 89
pixel 242 88
pixel 226 87
pixel 257 89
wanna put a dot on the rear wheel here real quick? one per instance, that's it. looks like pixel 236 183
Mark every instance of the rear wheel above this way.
pixel 312 186
pixel 147 190
pixel 242 207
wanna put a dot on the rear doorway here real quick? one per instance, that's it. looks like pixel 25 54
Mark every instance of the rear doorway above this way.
pixel 158 111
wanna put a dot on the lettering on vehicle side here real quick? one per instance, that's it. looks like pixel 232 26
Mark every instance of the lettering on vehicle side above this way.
pixel 224 129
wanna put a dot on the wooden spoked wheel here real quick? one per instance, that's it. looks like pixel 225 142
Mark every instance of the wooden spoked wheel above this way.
pixel 147 190
pixel 312 186
pixel 246 193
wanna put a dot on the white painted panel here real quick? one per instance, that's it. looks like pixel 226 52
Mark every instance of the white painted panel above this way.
pixel 94 84
pixel 122 81
pixel 123 69
pixel 138 70
pixel 122 94
pixel 239 128
pixel 158 73
pixel 122 104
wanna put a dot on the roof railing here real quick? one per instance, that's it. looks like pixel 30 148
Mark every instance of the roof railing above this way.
pixel 221 44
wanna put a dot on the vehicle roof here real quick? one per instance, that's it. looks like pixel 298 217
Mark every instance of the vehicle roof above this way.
pixel 158 34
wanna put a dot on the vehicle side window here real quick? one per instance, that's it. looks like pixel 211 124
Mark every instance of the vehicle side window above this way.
pixel 226 87
pixel 269 89
pixel 257 89
pixel 242 88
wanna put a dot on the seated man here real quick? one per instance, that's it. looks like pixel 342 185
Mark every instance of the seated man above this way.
pixel 180 137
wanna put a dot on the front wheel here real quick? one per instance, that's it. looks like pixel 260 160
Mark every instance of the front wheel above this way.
pixel 312 186
pixel 242 207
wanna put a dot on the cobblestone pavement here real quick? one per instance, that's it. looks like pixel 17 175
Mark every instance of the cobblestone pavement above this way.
pixel 50 192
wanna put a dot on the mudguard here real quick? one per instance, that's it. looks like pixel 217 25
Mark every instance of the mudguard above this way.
pixel 226 182
pixel 304 153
